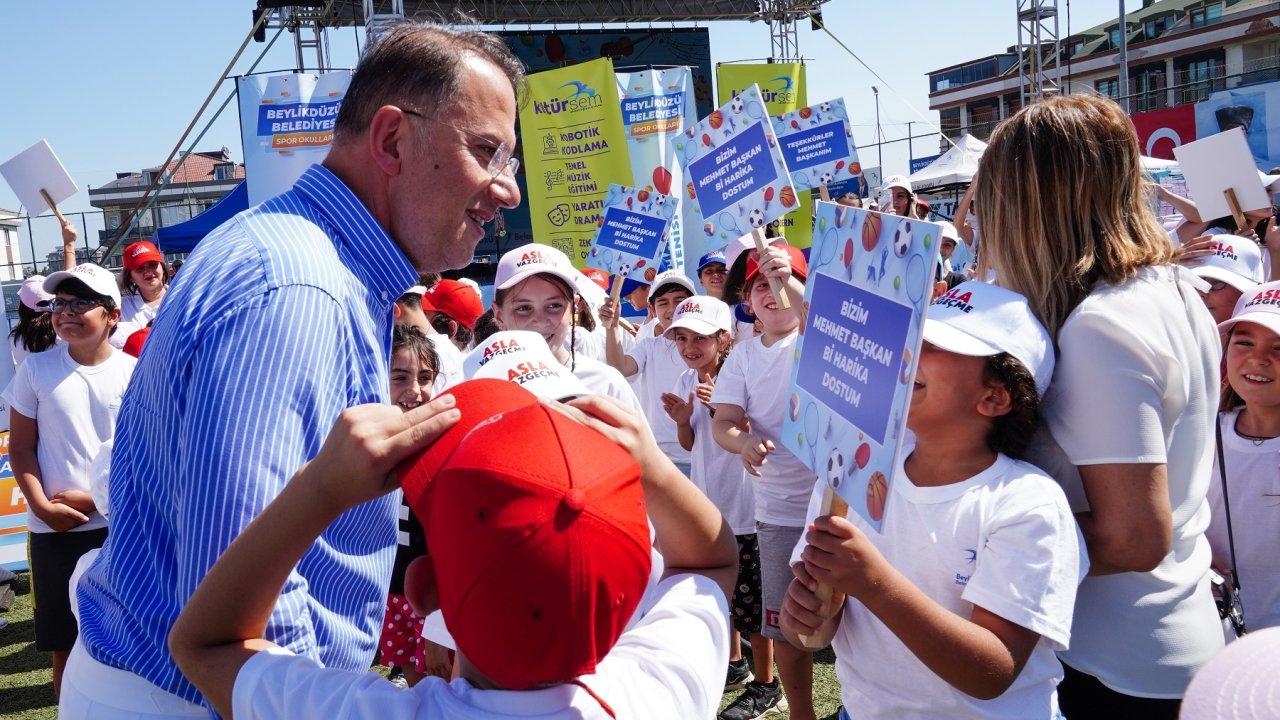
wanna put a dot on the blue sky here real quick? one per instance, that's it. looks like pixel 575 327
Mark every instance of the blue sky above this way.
pixel 112 85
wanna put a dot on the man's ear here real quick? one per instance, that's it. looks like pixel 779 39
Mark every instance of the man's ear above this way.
pixel 453 329
pixel 386 136
pixel 397 312
pixel 420 586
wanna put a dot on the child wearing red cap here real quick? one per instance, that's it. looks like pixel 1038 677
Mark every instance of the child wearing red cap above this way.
pixel 538 560
pixel 453 307
pixel 957 604
pixel 751 392
pixel 143 282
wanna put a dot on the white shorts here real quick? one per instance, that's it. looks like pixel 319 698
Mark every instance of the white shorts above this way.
pixel 94 691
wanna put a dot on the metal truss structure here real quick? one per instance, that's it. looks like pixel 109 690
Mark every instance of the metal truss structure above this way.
pixel 1038 46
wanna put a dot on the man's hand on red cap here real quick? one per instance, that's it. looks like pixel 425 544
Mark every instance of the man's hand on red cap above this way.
pixel 620 424
pixel 366 444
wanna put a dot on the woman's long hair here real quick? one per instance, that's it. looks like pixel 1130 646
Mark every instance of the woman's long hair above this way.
pixel 1061 202
pixel 34 330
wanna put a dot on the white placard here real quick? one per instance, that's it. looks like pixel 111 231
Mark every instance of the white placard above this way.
pixel 34 169
pixel 1217 163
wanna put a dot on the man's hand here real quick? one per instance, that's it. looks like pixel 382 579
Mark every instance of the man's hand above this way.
pixel 754 452
pixel 366 444
pixel 69 234
pixel 839 556
pixel 680 411
pixel 620 424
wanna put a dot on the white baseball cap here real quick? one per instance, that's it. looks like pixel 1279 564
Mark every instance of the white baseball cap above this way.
pixel 1235 261
pixel 589 290
pixel 1239 683
pixel 98 279
pixel 671 277
pixel 523 357
pixel 534 259
pixel 1259 305
pixel 974 318
pixel 32 294
pixel 899 181
pixel 949 231
pixel 702 314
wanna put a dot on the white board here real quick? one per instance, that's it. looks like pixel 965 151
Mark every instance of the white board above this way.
pixel 1216 163
pixel 34 169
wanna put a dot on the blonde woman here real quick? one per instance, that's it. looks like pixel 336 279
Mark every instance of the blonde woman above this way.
pixel 1129 417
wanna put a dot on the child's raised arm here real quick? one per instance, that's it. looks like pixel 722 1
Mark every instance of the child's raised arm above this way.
pixel 223 623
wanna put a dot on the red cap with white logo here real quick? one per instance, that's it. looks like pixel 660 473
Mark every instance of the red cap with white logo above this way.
pixel 975 318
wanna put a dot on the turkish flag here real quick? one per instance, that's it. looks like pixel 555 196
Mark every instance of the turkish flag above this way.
pixel 1160 131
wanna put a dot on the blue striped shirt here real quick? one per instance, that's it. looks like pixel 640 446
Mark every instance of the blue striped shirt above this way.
pixel 280 319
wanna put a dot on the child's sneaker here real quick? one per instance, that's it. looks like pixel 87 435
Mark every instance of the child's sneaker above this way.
pixel 757 701
pixel 739 675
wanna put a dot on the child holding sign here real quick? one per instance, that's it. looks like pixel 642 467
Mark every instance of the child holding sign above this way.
pixel 701 329
pixel 956 607
pixel 751 388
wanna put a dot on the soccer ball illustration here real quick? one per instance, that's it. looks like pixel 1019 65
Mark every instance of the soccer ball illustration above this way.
pixel 736 104
pixel 756 217
pixel 825 178
pixel 624 270
pixel 660 200
pixel 825 107
pixel 902 239
pixel 835 469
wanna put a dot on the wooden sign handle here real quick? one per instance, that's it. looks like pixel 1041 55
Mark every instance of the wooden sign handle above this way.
pixel 832 504
pixel 53 206
pixel 615 294
pixel 1236 212
pixel 826 194
pixel 776 286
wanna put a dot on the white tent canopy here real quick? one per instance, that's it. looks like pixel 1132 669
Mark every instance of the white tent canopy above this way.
pixel 956 166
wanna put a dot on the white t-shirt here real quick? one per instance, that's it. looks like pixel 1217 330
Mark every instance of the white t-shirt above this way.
pixel 135 313
pixel 660 368
pixel 671 665
pixel 588 344
pixel 75 407
pixel 602 379
pixel 450 357
pixel 757 379
pixel 20 351
pixel 716 471
pixel 1004 540
pixel 1255 521
pixel 1137 382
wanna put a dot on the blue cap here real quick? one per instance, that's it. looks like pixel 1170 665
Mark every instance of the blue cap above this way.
pixel 714 256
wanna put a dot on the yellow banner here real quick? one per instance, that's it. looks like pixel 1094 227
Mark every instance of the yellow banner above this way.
pixel 782 86
pixel 574 147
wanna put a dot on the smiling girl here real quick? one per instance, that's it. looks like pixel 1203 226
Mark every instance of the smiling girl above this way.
pixel 535 289
pixel 63 405
pixel 1249 435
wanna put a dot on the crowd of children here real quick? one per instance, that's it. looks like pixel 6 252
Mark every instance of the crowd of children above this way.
pixel 620 557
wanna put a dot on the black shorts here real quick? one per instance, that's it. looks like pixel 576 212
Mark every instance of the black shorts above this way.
pixel 747 605
pixel 53 559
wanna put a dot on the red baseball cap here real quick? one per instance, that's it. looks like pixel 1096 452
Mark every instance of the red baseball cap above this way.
pixel 540 557
pixel 456 299
pixel 141 253
pixel 133 345
pixel 799 266
pixel 597 276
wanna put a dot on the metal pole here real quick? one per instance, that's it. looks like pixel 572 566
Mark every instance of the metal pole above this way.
pixel 911 155
pixel 879 137
pixel 1124 61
